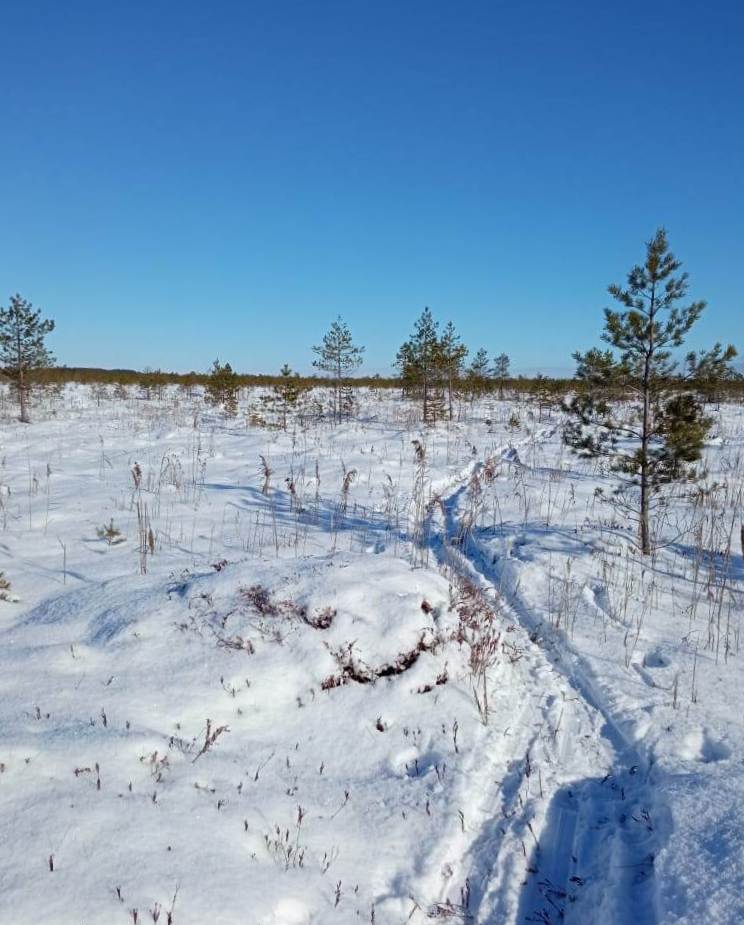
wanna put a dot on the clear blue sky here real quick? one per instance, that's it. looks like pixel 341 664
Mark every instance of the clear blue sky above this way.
pixel 182 180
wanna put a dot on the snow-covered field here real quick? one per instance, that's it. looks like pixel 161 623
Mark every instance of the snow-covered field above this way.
pixel 380 686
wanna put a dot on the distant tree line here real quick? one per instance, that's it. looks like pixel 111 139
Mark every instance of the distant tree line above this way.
pixel 433 369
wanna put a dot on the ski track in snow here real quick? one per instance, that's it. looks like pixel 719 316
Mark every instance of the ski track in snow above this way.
pixel 590 854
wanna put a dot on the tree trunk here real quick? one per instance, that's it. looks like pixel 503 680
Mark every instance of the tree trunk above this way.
pixel 337 398
pixel 644 527
pixel 645 432
pixel 645 535
pixel 22 387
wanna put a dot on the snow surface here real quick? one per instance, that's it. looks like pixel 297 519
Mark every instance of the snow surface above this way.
pixel 190 742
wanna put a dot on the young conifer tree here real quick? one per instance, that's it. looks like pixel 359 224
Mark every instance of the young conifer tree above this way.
pixel 222 387
pixel 501 371
pixel 711 371
pixel 632 405
pixel 152 382
pixel 339 356
pixel 542 392
pixel 419 360
pixel 22 347
pixel 285 394
pixel 453 354
pixel 478 374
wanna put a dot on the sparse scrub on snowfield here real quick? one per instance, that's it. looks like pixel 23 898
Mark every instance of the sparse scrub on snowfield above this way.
pixel 420 505
pixel 633 631
pixel 197 470
pixel 5 592
pixel 237 642
pixel 478 628
pixel 211 735
pixel 260 600
pixel 154 912
pixel 391 506
pixel 145 535
pixel 564 597
pixel 110 533
pixel 283 844
pixel 353 668
pixel 265 471
pixel 171 472
pixel 158 765
pixel 214 633
pixel 514 424
pixel 346 483
pixel 469 519
pixel 722 595
pixel 272 618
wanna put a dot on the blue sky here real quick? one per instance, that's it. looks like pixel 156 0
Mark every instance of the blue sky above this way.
pixel 183 180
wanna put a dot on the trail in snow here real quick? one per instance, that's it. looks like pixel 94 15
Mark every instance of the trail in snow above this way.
pixel 581 848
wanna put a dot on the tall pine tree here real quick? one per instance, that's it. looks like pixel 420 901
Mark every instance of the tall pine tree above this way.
pixel 22 347
pixel 633 406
